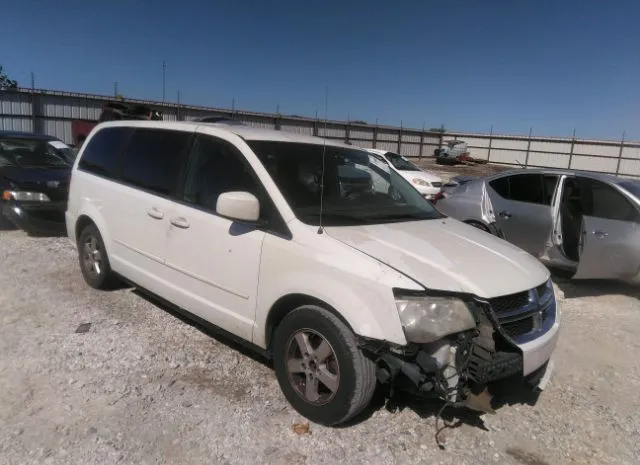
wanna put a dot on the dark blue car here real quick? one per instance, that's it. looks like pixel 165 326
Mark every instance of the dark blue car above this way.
pixel 34 180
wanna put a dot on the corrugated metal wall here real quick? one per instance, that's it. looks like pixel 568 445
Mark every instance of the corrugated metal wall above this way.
pixel 53 112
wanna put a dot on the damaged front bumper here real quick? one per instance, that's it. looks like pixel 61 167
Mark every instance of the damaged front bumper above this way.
pixel 464 369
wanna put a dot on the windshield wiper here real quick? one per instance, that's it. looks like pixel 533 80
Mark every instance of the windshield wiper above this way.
pixel 337 216
pixel 402 216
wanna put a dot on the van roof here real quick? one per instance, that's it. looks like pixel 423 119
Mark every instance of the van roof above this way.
pixel 243 131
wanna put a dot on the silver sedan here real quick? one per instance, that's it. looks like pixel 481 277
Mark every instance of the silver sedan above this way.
pixel 588 223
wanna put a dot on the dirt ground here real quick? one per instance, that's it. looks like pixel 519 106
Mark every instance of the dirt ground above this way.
pixel 90 377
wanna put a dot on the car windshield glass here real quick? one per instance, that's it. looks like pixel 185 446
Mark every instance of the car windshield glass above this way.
pixel 356 187
pixel 31 153
pixel 632 187
pixel 401 163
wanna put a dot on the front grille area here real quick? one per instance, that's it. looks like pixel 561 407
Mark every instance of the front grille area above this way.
pixel 524 315
pixel 509 302
pixel 436 184
pixel 518 327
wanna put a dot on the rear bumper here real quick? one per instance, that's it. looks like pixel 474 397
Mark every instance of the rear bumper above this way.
pixel 37 218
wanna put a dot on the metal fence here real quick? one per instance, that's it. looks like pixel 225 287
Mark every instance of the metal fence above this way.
pixel 52 112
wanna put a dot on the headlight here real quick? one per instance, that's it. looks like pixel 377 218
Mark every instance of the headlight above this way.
pixel 25 196
pixel 426 319
pixel 420 182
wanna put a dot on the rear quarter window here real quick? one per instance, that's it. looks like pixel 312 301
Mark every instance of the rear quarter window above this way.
pixel 103 152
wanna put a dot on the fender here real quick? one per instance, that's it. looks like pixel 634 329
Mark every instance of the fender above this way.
pixel 357 287
pixel 369 312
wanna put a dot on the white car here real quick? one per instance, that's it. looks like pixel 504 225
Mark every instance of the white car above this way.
pixel 278 240
pixel 428 184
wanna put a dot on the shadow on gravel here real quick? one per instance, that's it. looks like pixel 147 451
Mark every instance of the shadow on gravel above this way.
pixel 574 289
pixel 48 234
pixel 448 417
pixel 206 328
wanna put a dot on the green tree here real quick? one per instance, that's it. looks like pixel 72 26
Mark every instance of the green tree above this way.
pixel 5 82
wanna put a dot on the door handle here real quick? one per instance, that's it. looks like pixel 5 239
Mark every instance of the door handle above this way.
pixel 155 213
pixel 180 222
pixel 505 214
pixel 600 234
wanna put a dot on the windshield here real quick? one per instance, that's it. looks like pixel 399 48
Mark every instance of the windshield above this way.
pixel 32 153
pixel 401 163
pixel 632 187
pixel 358 188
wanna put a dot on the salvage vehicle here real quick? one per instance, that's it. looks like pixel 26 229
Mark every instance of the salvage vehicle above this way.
pixel 113 111
pixel 428 184
pixel 341 285
pixel 34 181
pixel 584 222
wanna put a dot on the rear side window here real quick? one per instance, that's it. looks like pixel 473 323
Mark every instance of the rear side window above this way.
pixel 526 188
pixel 153 159
pixel 529 188
pixel 501 186
pixel 102 155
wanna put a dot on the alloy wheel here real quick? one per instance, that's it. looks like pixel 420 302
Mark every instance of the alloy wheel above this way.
pixel 92 256
pixel 312 367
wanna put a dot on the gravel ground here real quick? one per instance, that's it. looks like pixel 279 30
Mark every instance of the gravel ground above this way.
pixel 140 386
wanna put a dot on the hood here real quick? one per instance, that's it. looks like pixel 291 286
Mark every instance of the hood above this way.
pixel 448 255
pixel 409 175
pixel 33 176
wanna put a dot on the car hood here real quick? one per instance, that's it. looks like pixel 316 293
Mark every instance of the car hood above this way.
pixel 420 175
pixel 448 255
pixel 33 176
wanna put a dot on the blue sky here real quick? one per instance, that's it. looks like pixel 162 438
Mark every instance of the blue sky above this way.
pixel 550 65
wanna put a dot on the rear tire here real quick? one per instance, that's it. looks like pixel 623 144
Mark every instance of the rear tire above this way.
pixel 320 368
pixel 94 262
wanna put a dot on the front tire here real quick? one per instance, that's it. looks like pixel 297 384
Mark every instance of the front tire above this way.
pixel 94 262
pixel 320 368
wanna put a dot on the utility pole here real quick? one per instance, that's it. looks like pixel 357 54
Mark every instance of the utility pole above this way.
pixel 115 89
pixel 164 72
pixel 33 81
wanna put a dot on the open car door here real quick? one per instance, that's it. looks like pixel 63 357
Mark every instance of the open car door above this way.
pixel 609 245
pixel 609 249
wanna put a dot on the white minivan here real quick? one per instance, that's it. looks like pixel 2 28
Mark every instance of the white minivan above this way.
pixel 317 255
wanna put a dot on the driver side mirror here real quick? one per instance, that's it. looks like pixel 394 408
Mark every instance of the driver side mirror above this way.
pixel 239 206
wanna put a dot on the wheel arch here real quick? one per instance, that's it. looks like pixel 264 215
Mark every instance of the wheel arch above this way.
pixel 475 222
pixel 82 222
pixel 286 304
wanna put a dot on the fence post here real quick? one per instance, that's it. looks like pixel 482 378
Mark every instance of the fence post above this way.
pixel 526 157
pixel 624 133
pixel 573 142
pixel 490 142
pixel 375 135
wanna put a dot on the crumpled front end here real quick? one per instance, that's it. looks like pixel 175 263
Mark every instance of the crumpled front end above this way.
pixel 513 340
